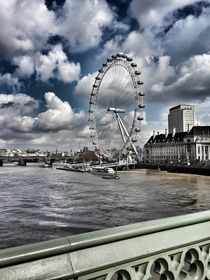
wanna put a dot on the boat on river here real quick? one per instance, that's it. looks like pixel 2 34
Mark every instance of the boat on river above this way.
pixel 101 170
pixel 114 176
pixel 46 165
pixel 68 167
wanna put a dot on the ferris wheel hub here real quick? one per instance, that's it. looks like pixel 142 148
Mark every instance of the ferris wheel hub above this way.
pixel 115 110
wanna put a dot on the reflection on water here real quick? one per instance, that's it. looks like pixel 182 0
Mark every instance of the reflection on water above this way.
pixel 39 204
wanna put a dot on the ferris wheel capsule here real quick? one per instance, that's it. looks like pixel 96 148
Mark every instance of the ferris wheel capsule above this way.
pixel 140 118
pixel 140 83
pixel 133 64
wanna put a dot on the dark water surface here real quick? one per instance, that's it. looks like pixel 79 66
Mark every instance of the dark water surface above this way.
pixel 40 204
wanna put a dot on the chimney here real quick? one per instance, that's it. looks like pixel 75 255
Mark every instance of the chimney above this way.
pixel 153 134
pixel 174 132
pixel 166 133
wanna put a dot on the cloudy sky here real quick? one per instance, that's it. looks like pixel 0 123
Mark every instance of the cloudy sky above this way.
pixel 50 52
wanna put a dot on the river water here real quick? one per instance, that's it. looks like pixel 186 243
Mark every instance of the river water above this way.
pixel 39 204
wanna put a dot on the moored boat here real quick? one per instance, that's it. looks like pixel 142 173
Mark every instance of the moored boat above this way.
pixel 100 170
pixel 111 176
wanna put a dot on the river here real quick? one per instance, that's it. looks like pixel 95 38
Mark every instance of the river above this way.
pixel 41 203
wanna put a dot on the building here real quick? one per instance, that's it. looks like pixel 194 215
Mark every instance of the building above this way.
pixel 179 147
pixel 181 117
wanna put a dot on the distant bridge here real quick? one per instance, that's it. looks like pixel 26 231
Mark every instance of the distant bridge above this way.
pixel 32 158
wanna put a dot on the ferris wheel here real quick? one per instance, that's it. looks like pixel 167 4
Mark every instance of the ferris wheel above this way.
pixel 116 107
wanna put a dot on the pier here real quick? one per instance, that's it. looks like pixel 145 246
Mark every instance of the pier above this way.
pixel 169 248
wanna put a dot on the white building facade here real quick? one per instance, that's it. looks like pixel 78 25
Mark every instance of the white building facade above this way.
pixel 181 147
pixel 181 117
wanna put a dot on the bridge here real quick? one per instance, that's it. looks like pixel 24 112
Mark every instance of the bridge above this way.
pixel 169 248
pixel 32 158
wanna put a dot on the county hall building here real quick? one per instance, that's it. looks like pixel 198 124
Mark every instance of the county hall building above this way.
pixel 185 142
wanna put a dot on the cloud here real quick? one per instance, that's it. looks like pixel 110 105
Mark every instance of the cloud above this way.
pixel 25 65
pixel 142 44
pixel 82 23
pixel 20 103
pixel 26 27
pixel 187 37
pixel 19 125
pixel 59 115
pixel 151 13
pixel 54 64
pixel 26 39
pixel 29 25
pixel 162 56
pixel 190 81
pixel 9 81
pixel 13 110
pixel 84 86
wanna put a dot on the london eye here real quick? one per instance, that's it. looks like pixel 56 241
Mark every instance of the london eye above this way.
pixel 116 107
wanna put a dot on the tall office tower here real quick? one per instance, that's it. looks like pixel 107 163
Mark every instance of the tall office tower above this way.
pixel 181 117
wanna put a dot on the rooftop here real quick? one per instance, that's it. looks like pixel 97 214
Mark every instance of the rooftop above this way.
pixel 182 106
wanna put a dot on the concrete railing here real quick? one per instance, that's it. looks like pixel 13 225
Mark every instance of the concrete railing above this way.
pixel 170 248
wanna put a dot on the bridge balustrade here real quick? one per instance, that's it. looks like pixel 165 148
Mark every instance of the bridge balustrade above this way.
pixel 169 248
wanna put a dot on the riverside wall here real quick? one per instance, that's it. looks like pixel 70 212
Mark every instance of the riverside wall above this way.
pixel 190 169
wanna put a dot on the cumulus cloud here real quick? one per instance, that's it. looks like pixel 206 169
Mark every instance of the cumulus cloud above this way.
pixel 162 56
pixel 59 115
pixel 187 37
pixel 17 123
pixel 25 26
pixel 9 81
pixel 20 103
pixel 54 64
pixel 25 65
pixel 151 13
pixel 190 81
pixel 82 23
pixel 29 25
pixel 84 86
pixel 13 110
pixel 29 28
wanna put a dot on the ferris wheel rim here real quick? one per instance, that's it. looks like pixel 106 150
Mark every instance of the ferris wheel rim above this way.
pixel 126 62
